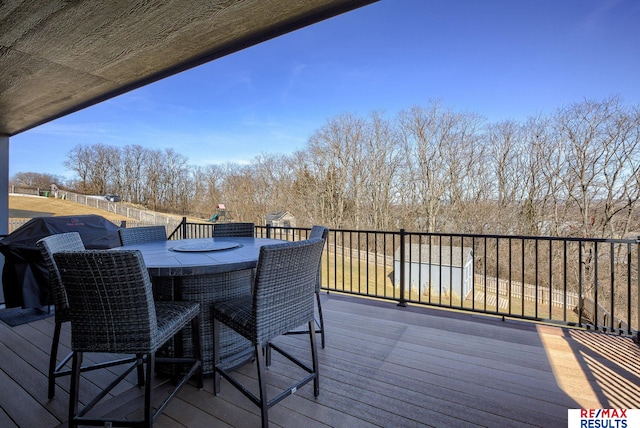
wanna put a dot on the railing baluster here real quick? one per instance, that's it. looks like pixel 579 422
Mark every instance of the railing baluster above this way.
pixel 564 281
pixel 403 260
pixel 637 335
pixel 580 295
pixel 509 307
pixel 430 264
pixel 473 275
pixel 484 266
pixel 612 274
pixel 451 269
pixel 462 272
pixel 629 299
pixel 595 284
pixel 550 279
pixel 497 275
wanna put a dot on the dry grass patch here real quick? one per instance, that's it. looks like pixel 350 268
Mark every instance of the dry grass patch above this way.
pixel 26 206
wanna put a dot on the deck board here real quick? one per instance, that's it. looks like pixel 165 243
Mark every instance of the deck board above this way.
pixel 383 366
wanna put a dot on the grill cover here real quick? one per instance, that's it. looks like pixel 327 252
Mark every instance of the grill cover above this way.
pixel 25 278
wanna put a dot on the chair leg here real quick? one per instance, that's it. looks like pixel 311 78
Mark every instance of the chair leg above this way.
pixel 216 356
pixel 74 388
pixel 148 391
pixel 314 359
pixel 321 319
pixel 140 358
pixel 262 381
pixel 53 356
pixel 197 349
pixel 267 355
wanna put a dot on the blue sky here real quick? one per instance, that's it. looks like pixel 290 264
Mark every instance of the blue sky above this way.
pixel 503 59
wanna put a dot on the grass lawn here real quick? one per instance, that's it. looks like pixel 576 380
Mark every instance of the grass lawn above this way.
pixel 27 206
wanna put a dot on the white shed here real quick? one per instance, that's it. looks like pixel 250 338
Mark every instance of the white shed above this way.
pixel 443 268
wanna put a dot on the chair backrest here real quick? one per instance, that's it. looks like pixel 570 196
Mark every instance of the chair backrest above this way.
pixel 110 301
pixel 140 235
pixel 322 233
pixel 49 245
pixel 319 232
pixel 239 230
pixel 284 287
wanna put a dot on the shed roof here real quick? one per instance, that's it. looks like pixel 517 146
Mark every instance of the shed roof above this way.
pixel 277 216
pixel 437 254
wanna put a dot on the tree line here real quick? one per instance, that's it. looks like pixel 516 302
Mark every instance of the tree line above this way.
pixel 428 168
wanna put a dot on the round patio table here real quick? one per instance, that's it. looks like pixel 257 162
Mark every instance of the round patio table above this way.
pixel 206 271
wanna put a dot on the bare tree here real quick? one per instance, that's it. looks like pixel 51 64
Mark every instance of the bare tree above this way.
pixel 130 172
pixel 335 160
pixel 102 167
pixel 79 160
pixel 95 165
pixel 381 179
pixel 505 143
pixel 442 152
pixel 305 190
pixel 175 182
pixel 468 179
pixel 274 176
pixel 621 173
pixel 153 186
pixel 199 205
pixel 423 135
pixel 239 193
pixel 35 180
pixel 602 153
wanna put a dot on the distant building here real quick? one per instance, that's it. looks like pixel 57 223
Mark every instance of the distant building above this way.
pixel 444 269
pixel 280 219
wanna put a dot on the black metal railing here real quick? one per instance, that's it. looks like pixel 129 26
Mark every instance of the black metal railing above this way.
pixel 186 230
pixel 583 282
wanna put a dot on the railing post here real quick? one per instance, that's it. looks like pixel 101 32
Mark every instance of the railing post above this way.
pixel 123 224
pixel 268 231
pixel 636 337
pixel 184 227
pixel 403 235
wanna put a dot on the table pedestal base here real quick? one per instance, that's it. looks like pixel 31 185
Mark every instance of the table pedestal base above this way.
pixel 206 290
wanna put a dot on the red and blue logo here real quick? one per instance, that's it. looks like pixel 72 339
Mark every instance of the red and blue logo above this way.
pixel 603 418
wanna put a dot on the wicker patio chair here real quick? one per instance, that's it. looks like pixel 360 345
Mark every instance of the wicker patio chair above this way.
pixel 139 235
pixel 223 230
pixel 112 311
pixel 49 245
pixel 322 233
pixel 281 301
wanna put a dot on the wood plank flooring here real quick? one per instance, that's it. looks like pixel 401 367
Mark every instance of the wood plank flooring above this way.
pixel 383 366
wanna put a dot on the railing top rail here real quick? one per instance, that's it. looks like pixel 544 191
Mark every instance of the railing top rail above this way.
pixel 541 238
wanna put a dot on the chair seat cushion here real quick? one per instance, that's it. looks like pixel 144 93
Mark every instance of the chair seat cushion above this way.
pixel 172 317
pixel 236 313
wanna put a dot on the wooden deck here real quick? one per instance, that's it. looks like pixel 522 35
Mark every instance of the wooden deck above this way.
pixel 383 366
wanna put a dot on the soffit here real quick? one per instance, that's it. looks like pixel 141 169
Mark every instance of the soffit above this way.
pixel 57 57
